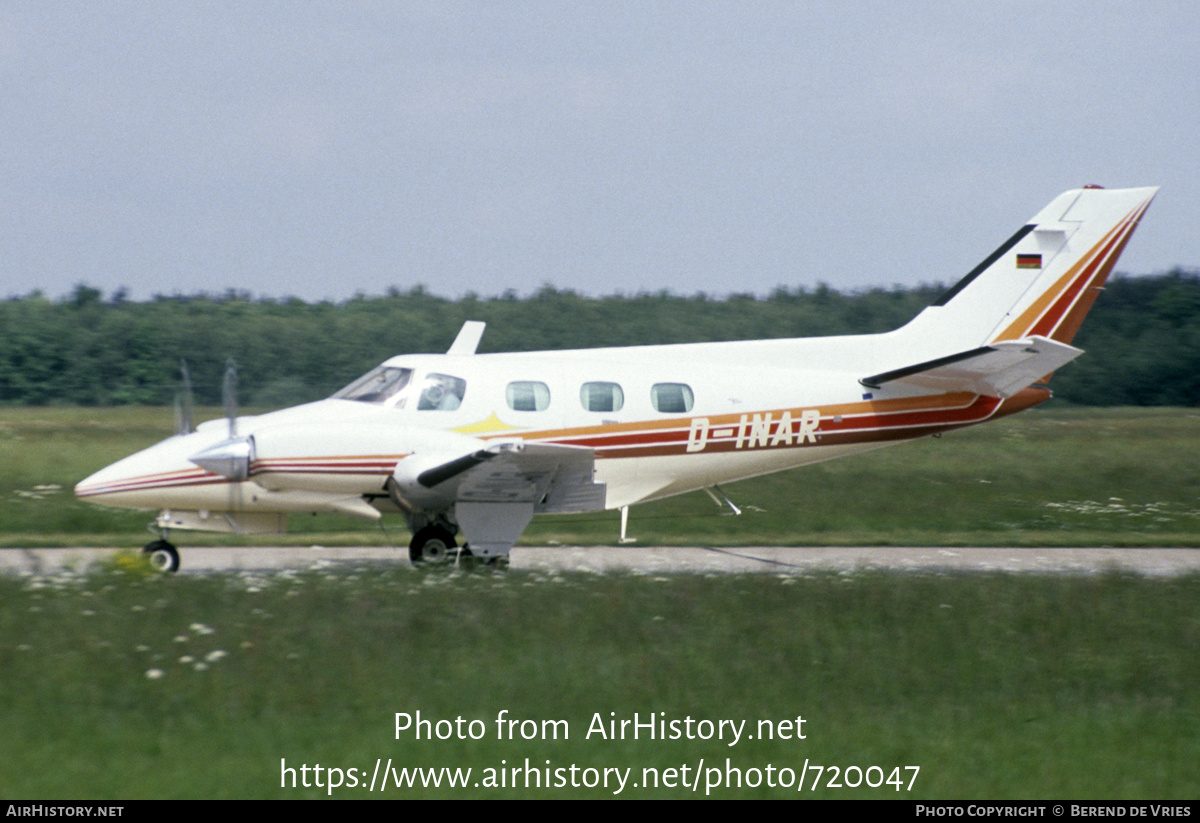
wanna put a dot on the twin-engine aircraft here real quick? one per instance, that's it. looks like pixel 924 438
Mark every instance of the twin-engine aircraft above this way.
pixel 469 447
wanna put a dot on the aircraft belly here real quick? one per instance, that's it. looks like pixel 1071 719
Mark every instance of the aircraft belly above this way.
pixel 149 496
pixel 637 480
pixel 222 495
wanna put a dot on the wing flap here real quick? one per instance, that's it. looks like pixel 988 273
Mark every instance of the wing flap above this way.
pixel 998 370
pixel 554 478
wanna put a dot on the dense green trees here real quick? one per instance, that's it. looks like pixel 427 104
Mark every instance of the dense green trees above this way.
pixel 1142 338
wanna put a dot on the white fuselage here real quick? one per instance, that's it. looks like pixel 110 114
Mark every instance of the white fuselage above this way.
pixel 754 408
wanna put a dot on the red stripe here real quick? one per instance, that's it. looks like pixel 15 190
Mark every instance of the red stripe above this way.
pixel 892 420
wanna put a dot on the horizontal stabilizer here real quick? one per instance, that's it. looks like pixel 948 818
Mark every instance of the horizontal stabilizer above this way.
pixel 999 370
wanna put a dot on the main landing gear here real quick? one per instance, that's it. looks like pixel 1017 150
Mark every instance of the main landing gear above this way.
pixel 162 555
pixel 435 546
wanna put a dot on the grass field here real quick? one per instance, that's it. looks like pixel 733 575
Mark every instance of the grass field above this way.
pixel 1086 477
pixel 972 686
pixel 118 684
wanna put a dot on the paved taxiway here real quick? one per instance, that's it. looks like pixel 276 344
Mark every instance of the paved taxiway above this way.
pixel 1149 561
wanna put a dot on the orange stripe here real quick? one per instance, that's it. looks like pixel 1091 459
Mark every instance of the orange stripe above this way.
pixel 878 420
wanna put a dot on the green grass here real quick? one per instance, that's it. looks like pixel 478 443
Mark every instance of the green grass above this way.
pixel 1063 477
pixel 116 685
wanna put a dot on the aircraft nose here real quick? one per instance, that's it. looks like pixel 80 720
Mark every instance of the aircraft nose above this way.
pixel 145 479
pixel 99 486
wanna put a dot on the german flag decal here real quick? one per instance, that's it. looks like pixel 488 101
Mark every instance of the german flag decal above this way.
pixel 1029 261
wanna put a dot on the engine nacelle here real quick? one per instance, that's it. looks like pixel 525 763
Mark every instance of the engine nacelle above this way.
pixel 428 479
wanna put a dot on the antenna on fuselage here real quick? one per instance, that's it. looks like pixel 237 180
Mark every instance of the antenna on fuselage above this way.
pixel 468 337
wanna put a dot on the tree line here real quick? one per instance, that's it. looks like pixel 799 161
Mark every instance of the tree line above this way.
pixel 1142 337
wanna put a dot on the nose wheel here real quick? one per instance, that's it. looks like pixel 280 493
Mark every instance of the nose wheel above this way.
pixel 162 555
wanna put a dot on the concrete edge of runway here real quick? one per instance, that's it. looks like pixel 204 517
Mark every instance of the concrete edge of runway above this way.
pixel 646 559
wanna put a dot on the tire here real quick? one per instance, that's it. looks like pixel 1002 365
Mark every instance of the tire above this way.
pixel 163 556
pixel 432 546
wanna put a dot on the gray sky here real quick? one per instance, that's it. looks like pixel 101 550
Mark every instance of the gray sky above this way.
pixel 325 149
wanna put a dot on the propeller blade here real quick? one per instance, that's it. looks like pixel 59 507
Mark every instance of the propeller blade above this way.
pixel 183 402
pixel 229 390
pixel 233 460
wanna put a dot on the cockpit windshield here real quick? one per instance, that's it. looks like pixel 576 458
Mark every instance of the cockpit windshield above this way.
pixel 380 385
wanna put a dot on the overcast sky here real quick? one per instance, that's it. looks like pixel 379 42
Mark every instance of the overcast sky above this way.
pixel 326 149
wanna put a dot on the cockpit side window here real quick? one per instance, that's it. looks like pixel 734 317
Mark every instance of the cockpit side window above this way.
pixel 441 392
pixel 380 385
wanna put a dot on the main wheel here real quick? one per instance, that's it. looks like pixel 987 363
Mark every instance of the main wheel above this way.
pixel 432 545
pixel 163 556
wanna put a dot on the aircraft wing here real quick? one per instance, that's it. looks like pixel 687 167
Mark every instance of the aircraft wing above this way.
pixel 997 370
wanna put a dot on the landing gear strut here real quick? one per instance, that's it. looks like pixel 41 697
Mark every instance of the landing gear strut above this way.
pixel 162 555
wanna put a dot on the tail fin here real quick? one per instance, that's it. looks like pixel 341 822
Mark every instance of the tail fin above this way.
pixel 1010 321
pixel 1043 280
pixel 1083 243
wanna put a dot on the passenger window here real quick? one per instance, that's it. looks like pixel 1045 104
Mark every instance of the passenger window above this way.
pixel 602 397
pixel 673 398
pixel 527 395
pixel 441 392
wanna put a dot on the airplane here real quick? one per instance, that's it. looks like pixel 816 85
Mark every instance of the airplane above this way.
pixel 468 447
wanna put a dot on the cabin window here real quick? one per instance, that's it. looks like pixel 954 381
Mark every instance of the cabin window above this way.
pixel 673 398
pixel 527 395
pixel 441 392
pixel 602 397
pixel 380 385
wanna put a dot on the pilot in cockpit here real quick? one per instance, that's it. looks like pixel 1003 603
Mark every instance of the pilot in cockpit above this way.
pixel 442 392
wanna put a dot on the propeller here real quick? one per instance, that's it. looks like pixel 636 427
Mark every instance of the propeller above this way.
pixel 231 457
pixel 183 401
pixel 229 391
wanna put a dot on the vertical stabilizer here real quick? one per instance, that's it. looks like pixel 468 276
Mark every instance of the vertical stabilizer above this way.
pixel 1061 296
pixel 1042 280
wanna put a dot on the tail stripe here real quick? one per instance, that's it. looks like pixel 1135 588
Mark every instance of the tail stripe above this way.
pixel 1058 313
